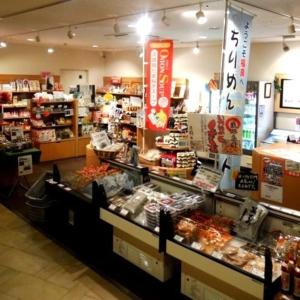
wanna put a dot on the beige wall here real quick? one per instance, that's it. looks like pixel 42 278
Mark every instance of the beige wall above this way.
pixel 24 59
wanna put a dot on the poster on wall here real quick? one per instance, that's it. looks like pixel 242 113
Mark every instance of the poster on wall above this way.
pixel 219 134
pixel 234 79
pixel 159 58
pixel 272 178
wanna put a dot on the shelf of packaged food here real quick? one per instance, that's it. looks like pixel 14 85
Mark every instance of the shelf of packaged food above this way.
pixel 119 94
pixel 167 147
pixel 20 92
pixel 56 141
pixel 52 113
pixel 176 130
pixel 133 229
pixel 50 102
pixel 125 123
pixel 52 126
pixel 15 118
pixel 217 269
pixel 13 106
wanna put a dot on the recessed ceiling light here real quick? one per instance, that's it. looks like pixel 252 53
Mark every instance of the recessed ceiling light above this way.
pixel 3 44
pixel 202 37
pixel 131 25
pixel 50 50
pixel 95 46
pixel 189 13
pixel 31 40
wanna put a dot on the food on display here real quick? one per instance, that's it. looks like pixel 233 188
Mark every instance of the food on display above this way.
pixel 185 159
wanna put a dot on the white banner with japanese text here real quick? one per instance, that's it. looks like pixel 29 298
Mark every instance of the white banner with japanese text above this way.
pixel 235 66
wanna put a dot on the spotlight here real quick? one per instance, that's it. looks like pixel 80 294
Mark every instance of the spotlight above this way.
pixel 50 50
pixel 285 47
pixel 3 44
pixel 196 49
pixel 291 27
pixel 200 16
pixel 144 26
pixel 70 33
pixel 165 20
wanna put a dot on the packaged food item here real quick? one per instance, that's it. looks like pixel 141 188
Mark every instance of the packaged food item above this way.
pixel 135 203
pixel 187 229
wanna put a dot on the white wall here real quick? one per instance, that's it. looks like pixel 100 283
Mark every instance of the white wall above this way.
pixel 25 59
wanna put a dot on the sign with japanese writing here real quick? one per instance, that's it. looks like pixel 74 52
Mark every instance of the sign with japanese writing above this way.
pixel 159 58
pixel 234 83
pixel 247 181
pixel 207 179
pixel 220 134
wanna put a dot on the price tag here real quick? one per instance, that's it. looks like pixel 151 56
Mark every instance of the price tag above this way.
pixel 178 238
pixel 68 189
pixel 51 181
pixel 156 229
pixel 257 272
pixel 112 207
pixel 217 255
pixel 124 212
pixel 196 245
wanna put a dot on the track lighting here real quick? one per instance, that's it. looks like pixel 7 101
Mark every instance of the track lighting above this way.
pixel 50 50
pixel 3 44
pixel 285 47
pixel 291 27
pixel 70 33
pixel 196 49
pixel 165 20
pixel 200 16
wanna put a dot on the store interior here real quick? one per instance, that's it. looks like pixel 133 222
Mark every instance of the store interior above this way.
pixel 191 197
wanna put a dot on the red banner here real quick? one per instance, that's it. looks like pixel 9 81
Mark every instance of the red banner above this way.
pixel 159 58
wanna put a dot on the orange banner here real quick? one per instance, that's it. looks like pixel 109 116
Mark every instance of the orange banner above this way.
pixel 159 59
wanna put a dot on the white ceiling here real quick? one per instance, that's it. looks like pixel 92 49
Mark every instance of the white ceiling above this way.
pixel 21 19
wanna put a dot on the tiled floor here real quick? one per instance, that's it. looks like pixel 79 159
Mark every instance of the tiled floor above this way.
pixel 33 267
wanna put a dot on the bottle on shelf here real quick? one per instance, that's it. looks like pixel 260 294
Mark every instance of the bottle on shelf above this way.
pixel 286 274
pixel 296 289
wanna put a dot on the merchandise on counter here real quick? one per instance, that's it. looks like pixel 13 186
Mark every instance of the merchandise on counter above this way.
pixel 45 135
pixel 152 156
pixel 100 140
pixel 250 220
pixel 180 122
pixel 185 159
pixel 135 203
pixel 168 160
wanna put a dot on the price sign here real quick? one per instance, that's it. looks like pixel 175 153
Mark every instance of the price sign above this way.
pixel 156 229
pixel 178 238
pixel 112 207
pixel 247 181
pixel 196 245
pixel 217 255
pixel 68 189
pixel 124 212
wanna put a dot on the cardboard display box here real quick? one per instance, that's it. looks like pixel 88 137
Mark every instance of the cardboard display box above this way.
pixel 278 169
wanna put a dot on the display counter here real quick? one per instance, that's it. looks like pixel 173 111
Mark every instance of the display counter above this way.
pixel 159 222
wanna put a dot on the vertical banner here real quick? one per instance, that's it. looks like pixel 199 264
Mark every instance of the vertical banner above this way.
pixel 159 58
pixel 234 80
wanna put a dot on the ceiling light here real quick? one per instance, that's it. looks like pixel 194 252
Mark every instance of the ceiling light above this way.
pixel 285 47
pixel 144 25
pixel 291 27
pixel 50 50
pixel 196 49
pixel 3 44
pixel 95 46
pixel 200 16
pixel 70 33
pixel 165 20
pixel 131 25
pixel 189 13
pixel 37 38
pixel 202 37
pixel 31 39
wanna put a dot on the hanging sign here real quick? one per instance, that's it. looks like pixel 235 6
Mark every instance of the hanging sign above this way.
pixel 235 75
pixel 215 133
pixel 159 58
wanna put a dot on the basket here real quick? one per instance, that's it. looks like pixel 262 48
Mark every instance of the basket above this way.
pixel 102 154
pixel 143 161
